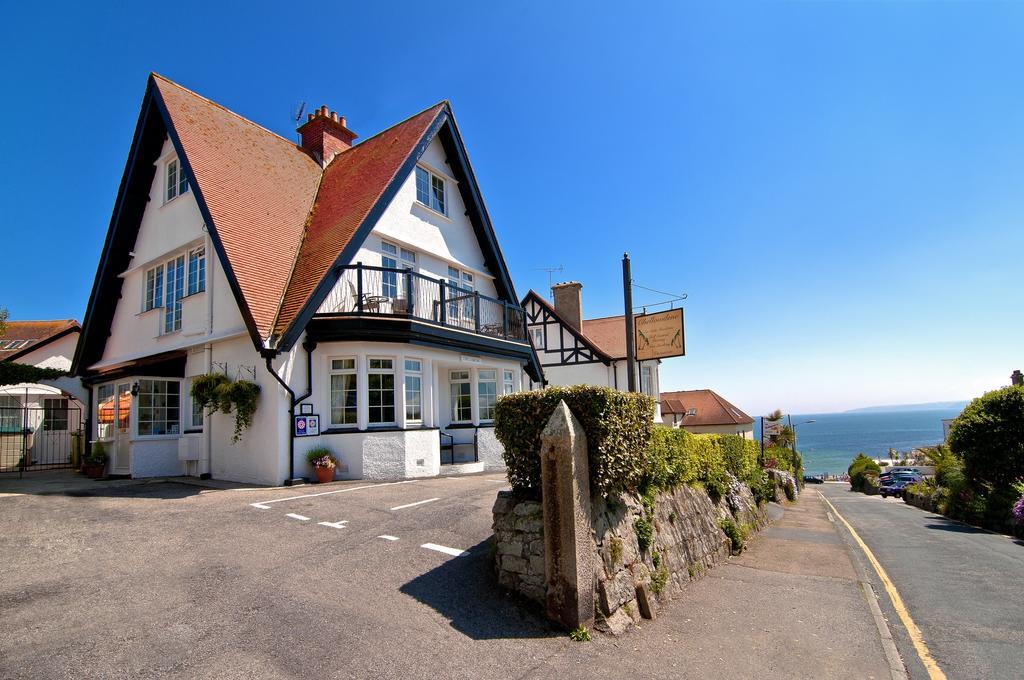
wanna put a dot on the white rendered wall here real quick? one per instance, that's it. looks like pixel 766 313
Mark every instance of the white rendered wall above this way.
pixel 168 230
pixel 439 240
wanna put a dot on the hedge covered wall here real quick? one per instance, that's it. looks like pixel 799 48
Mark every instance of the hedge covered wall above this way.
pixel 626 450
pixel 618 426
pixel 679 457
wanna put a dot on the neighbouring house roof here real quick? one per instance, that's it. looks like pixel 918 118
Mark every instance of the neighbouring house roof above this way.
pixel 708 409
pixel 608 333
pixel 23 337
pixel 280 223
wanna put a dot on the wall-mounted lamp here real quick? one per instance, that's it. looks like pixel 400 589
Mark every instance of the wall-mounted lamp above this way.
pixel 135 388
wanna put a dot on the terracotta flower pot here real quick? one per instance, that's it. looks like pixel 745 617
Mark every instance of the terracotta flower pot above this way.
pixel 324 475
pixel 94 471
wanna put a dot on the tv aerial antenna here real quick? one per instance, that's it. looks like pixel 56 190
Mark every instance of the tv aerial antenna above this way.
pixel 550 271
pixel 297 114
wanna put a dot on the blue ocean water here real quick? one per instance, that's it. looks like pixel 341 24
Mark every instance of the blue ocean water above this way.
pixel 830 442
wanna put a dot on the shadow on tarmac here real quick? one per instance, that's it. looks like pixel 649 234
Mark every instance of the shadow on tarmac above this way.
pixel 465 592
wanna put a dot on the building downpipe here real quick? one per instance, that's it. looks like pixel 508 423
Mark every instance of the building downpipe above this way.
pixel 293 401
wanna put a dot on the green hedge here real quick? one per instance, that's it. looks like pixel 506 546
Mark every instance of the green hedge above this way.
pixel 679 457
pixel 618 426
pixel 863 473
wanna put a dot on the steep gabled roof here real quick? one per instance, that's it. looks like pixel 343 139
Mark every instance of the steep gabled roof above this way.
pixel 31 335
pixel 353 184
pixel 609 333
pixel 709 409
pixel 257 187
pixel 280 224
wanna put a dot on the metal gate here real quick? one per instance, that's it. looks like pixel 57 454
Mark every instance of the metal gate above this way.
pixel 42 435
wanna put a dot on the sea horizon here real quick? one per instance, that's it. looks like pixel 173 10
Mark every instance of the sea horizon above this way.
pixel 832 440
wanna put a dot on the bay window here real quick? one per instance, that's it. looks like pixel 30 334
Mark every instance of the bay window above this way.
pixel 380 383
pixel 344 396
pixel 507 382
pixel 159 406
pixel 486 393
pixel 461 396
pixel 413 391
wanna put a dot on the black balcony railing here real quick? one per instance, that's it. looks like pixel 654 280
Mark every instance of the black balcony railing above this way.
pixel 364 290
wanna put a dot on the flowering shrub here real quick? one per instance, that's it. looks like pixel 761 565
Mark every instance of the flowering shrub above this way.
pixel 1018 507
pixel 321 457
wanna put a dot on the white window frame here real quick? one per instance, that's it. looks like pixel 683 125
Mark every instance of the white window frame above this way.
pixel 492 398
pixel 415 373
pixel 12 417
pixel 343 371
pixel 372 370
pixel 55 412
pixel 174 292
pixel 153 297
pixel 433 181
pixel 171 425
pixel 196 274
pixel 452 381
pixel 508 381
pixel 178 184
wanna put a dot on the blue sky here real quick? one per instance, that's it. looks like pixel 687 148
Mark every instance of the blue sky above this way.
pixel 837 186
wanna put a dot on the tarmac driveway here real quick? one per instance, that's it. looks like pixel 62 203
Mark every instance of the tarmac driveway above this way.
pixel 116 579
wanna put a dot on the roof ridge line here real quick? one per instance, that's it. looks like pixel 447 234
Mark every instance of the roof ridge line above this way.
pixel 380 132
pixel 298 252
pixel 233 113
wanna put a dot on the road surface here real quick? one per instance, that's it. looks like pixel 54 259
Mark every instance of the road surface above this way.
pixel 963 587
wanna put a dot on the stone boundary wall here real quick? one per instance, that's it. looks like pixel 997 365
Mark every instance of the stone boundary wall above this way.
pixel 633 580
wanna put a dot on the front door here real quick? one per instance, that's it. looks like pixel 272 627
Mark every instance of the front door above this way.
pixel 122 435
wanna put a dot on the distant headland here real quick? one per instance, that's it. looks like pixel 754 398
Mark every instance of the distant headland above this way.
pixel 930 406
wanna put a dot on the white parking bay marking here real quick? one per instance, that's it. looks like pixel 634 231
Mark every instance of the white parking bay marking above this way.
pixel 444 549
pixel 335 525
pixel 301 517
pixel 388 538
pixel 265 505
pixel 411 505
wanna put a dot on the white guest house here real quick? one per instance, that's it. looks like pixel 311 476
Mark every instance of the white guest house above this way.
pixel 358 283
pixel 577 351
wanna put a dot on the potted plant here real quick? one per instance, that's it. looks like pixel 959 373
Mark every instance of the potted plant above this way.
pixel 323 463
pixel 96 463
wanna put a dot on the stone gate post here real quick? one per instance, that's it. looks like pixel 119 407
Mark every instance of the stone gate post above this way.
pixel 569 552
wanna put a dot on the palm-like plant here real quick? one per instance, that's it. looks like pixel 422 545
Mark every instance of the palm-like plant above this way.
pixel 786 436
pixel 774 416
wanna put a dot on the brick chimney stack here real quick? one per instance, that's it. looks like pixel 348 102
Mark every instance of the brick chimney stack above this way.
pixel 325 135
pixel 568 302
pixel 1017 378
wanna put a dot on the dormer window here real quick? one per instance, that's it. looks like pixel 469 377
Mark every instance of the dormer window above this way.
pixel 430 190
pixel 176 184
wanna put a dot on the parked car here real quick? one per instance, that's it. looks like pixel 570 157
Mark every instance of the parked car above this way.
pixel 810 479
pixel 895 487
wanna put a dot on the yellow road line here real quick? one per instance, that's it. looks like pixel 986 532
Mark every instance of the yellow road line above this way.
pixel 934 672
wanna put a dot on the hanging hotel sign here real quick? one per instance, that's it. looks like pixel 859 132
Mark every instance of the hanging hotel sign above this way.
pixel 307 426
pixel 659 335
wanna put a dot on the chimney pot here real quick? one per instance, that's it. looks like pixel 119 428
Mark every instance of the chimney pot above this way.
pixel 1017 378
pixel 324 135
pixel 309 116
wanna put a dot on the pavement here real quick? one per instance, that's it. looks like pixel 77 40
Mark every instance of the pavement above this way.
pixel 351 579
pixel 962 586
